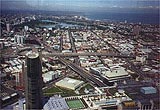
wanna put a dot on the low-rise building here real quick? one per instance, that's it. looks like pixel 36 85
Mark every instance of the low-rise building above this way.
pixel 56 103
pixel 51 75
pixel 112 73
pixel 148 90
pixel 69 83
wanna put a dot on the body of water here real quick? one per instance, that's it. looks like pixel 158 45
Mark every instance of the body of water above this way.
pixel 57 25
pixel 144 18
pixel 136 17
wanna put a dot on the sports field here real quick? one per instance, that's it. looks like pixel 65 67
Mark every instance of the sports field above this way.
pixel 75 104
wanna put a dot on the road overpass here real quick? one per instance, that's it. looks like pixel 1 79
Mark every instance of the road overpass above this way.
pixel 87 54
pixel 85 74
pixel 75 54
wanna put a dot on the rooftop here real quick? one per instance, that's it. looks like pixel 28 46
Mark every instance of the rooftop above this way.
pixel 56 103
pixel 115 73
pixel 32 54
pixel 69 83
pixel 148 88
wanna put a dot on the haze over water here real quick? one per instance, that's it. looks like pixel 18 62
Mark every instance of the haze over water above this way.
pixel 144 11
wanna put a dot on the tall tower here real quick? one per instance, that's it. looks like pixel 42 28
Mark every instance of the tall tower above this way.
pixel 8 27
pixel 33 87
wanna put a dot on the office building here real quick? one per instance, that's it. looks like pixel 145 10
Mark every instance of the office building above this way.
pixel 33 86
pixel 18 39
pixel 26 28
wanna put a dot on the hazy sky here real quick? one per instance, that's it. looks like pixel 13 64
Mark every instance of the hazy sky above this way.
pixel 80 5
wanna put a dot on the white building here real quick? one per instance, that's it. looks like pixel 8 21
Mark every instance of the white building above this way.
pixel 19 39
pixel 113 73
pixel 141 59
pixel 69 83
pixel 51 75
pixel 26 28
pixel 8 27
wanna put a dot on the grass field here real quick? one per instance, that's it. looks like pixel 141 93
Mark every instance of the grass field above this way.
pixel 53 90
pixel 57 90
pixel 75 104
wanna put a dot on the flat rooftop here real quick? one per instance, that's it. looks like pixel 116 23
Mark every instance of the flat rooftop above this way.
pixel 69 83
pixel 32 55
pixel 115 73
pixel 112 73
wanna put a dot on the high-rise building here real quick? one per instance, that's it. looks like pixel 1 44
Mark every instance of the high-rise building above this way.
pixel 26 28
pixel 1 45
pixel 33 86
pixel 21 80
pixel 8 27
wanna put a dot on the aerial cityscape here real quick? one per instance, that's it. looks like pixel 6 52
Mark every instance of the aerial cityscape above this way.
pixel 79 55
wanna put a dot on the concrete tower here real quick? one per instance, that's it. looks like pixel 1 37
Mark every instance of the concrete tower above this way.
pixel 33 85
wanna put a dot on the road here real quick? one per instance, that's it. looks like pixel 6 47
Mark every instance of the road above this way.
pixel 89 77
pixel 85 74
pixel 87 54
pixel 77 69
pixel 73 47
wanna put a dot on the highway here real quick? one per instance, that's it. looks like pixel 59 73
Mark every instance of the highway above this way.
pixel 77 69
pixel 87 54
pixel 74 54
pixel 51 84
pixel 73 47
pixel 85 74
